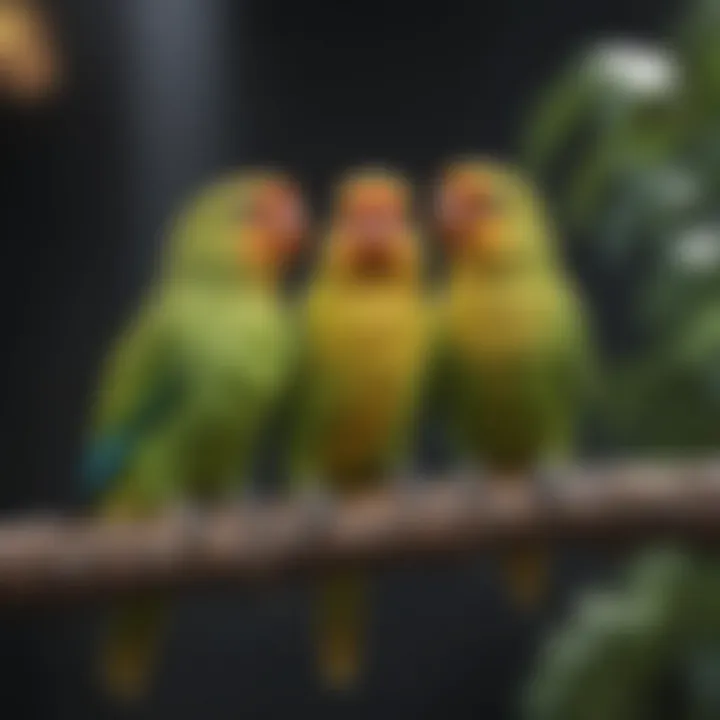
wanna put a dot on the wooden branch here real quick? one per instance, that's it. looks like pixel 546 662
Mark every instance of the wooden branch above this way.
pixel 59 560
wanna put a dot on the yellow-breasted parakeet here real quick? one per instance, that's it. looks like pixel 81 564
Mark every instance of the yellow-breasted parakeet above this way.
pixel 367 329
pixel 513 363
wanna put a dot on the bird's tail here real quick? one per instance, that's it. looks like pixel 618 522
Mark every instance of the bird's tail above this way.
pixel 130 649
pixel 342 630
pixel 527 575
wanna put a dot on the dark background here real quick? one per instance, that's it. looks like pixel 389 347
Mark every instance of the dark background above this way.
pixel 160 99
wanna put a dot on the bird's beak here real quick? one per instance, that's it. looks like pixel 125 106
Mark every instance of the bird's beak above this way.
pixel 374 238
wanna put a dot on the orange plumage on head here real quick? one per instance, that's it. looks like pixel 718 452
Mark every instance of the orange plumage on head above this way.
pixel 372 225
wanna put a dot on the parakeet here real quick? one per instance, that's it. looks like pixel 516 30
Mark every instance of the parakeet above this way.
pixel 367 329
pixel 193 380
pixel 513 362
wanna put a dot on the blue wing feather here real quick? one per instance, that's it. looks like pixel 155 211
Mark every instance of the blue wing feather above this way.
pixel 108 455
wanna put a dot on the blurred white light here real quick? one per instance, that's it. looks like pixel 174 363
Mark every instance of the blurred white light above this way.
pixel 635 67
pixel 698 249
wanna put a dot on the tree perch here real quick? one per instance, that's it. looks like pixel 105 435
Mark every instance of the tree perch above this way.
pixel 56 560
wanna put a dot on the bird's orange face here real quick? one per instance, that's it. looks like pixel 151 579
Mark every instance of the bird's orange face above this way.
pixel 472 211
pixel 373 228
pixel 273 223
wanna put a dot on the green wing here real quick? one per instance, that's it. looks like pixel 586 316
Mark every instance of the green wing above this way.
pixel 136 391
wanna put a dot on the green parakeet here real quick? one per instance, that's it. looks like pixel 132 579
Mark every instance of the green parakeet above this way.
pixel 513 364
pixel 190 385
pixel 367 328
